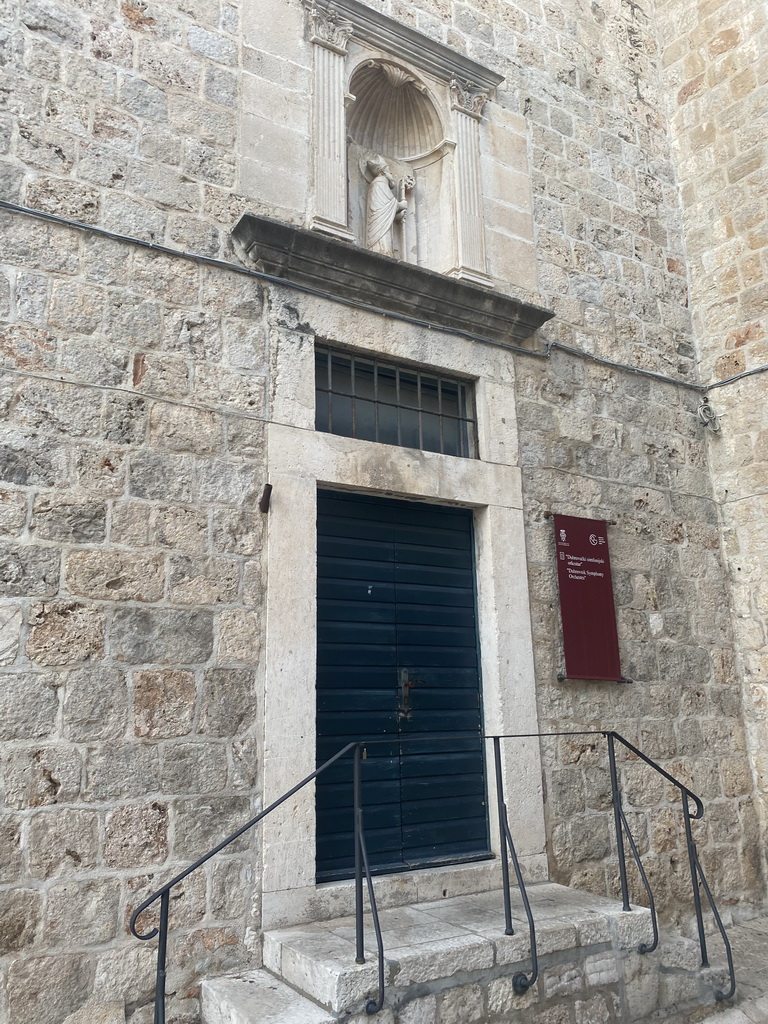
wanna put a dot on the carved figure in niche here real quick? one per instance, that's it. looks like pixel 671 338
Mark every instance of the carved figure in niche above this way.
pixel 386 206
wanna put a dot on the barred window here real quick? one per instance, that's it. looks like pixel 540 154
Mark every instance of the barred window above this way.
pixel 376 400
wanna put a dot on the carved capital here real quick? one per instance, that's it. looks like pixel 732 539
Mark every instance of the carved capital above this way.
pixel 467 98
pixel 327 28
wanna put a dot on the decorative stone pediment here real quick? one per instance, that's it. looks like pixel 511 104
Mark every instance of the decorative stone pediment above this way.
pixel 389 36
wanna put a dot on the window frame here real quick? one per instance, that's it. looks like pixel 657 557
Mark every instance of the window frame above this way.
pixel 425 379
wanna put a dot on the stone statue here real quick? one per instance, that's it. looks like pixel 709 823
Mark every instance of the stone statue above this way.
pixel 386 206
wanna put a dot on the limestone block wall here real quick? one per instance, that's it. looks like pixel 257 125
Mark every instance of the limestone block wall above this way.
pixel 130 617
pixel 717 74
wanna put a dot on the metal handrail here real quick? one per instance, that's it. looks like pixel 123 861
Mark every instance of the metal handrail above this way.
pixel 163 893
pixel 521 981
pixel 698 878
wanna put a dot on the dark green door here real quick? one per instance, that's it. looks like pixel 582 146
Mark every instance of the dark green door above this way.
pixel 398 662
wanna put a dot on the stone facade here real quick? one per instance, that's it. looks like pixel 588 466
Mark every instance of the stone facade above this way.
pixel 623 184
pixel 718 80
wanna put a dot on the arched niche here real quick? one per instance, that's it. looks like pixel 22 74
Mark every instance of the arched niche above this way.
pixel 393 123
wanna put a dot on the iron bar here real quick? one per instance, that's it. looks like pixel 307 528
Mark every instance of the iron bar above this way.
pixel 502 810
pixel 162 957
pixel 373 1005
pixel 719 995
pixel 358 827
pixel 692 861
pixel 643 947
pixel 520 981
pixel 657 768
pixel 617 816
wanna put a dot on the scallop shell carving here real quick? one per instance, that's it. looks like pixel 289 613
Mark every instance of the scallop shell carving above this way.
pixel 392 113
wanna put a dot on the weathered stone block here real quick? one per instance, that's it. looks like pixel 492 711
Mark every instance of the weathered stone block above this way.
pixel 240 636
pixel 29 705
pixel 112 575
pixel 462 1005
pixel 127 972
pixel 95 704
pixel 65 633
pixel 562 980
pixel 101 471
pixel 35 776
pixel 182 528
pixel 131 523
pixel 29 460
pixel 136 836
pixel 231 882
pixel 197 767
pixel 230 483
pixel 62 842
pixel 130 770
pixel 161 477
pixel 84 522
pixel 11 864
pixel 237 532
pixel 202 822
pixel 202 581
pixel 11 623
pixel 27 571
pixel 163 703
pixel 57 408
pixel 20 912
pixel 212 45
pixel 88 910
pixel 228 701
pixel 146 635
pixel 68 983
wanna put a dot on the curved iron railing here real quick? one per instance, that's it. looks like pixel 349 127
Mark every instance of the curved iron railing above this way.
pixel 698 878
pixel 361 869
pixel 521 981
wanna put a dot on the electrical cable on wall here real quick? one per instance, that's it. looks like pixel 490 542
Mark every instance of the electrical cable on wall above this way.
pixel 318 293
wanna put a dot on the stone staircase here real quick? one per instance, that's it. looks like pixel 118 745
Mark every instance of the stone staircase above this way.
pixel 449 962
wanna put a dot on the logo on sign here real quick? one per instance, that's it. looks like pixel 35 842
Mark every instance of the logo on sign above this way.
pixel 562 536
pixel 593 540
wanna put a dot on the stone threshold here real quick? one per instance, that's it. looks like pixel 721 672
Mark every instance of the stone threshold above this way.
pixel 340 269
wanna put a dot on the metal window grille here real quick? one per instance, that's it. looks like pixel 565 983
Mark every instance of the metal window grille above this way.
pixel 367 398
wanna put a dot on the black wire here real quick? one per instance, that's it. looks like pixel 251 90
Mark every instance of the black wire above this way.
pixel 403 318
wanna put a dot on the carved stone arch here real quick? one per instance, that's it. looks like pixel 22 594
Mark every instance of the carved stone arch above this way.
pixel 392 117
pixel 392 111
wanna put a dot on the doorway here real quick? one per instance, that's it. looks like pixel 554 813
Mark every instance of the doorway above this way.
pixel 398 664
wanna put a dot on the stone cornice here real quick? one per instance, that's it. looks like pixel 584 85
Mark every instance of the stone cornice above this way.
pixel 386 34
pixel 339 269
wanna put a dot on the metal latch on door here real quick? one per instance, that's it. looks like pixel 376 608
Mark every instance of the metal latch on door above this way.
pixel 404 709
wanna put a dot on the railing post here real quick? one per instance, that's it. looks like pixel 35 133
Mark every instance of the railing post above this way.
pixel 509 930
pixel 693 859
pixel 616 799
pixel 162 951
pixel 358 810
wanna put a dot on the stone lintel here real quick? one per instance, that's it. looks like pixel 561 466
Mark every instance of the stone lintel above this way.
pixel 312 260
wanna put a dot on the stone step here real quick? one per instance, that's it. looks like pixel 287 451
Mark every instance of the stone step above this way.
pixel 449 961
pixel 585 943
pixel 257 997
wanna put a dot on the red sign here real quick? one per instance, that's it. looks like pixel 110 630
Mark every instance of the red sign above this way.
pixel 586 599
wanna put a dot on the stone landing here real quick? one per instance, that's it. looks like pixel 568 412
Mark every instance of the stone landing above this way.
pixel 450 962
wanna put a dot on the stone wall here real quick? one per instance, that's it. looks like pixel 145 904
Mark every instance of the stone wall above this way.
pixel 717 74
pixel 131 571
pixel 132 459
